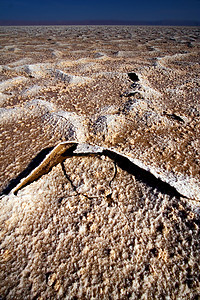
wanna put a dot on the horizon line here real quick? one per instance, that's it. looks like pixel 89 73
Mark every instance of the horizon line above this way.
pixel 99 22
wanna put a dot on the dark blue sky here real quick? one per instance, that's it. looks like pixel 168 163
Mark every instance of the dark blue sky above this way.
pixel 131 10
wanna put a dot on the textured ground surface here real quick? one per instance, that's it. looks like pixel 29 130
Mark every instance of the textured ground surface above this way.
pixel 98 226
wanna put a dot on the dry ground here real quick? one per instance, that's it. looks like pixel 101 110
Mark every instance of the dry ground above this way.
pixel 99 227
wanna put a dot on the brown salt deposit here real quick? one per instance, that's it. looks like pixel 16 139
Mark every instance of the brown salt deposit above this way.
pixel 120 220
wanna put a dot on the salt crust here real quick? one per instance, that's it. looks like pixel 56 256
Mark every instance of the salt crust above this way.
pixel 59 241
pixel 187 187
pixel 88 229
pixel 12 82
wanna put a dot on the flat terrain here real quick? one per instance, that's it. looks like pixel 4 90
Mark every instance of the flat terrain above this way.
pixel 117 223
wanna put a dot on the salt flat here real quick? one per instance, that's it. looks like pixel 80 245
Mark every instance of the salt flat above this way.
pixel 121 223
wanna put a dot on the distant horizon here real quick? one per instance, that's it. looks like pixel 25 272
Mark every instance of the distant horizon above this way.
pixel 99 22
pixel 104 12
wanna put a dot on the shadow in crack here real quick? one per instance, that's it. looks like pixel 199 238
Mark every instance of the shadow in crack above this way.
pixel 123 162
pixel 133 76
pixel 142 175
pixel 32 165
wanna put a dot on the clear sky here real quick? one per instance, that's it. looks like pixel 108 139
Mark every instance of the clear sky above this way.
pixel 131 10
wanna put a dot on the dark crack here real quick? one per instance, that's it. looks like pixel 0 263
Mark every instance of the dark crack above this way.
pixel 73 186
pixel 115 173
pixel 69 179
pixel 133 76
pixel 174 117
pixel 35 162
pixel 110 200
pixel 119 160
pixel 142 175
pixel 32 165
pixel 130 94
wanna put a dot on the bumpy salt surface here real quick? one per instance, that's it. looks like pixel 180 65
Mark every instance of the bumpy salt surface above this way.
pixel 95 225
